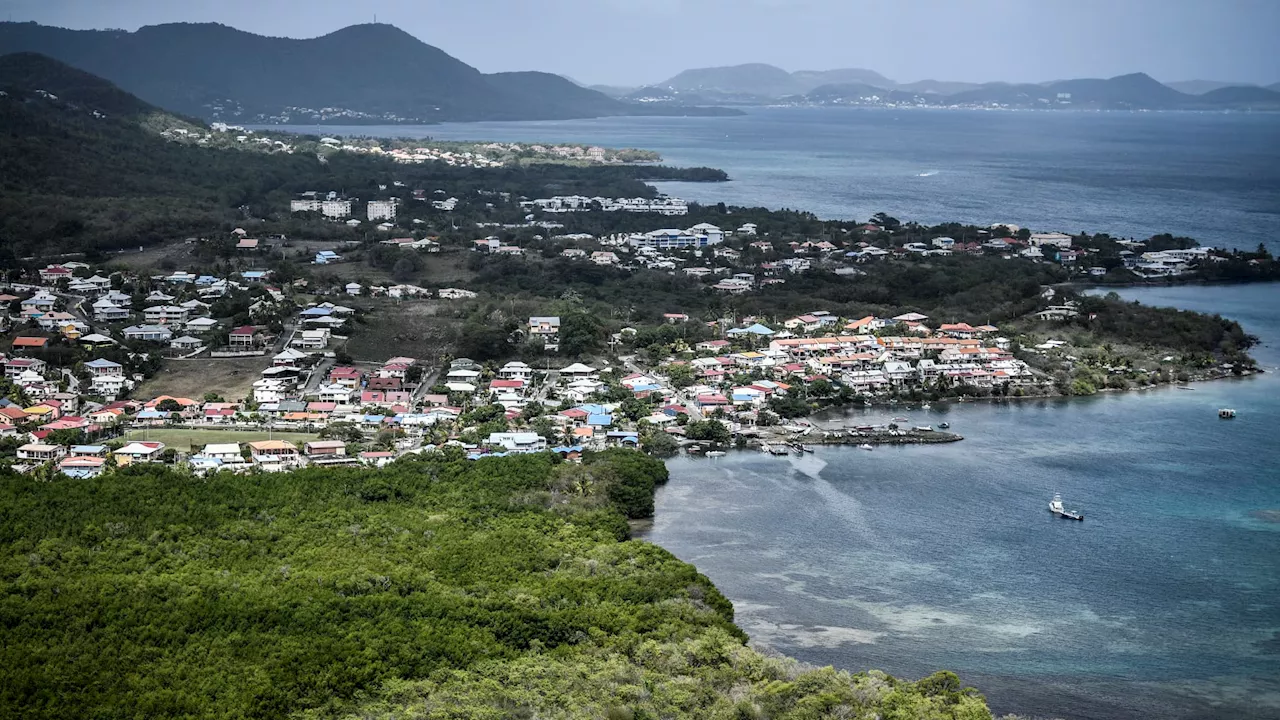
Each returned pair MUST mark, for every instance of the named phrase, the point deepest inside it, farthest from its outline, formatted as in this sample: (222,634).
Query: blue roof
(206,280)
(564,450)
(89,448)
(623,434)
(645,388)
(759,329)
(592,409)
(101,363)
(602,420)
(316,312)
(152,414)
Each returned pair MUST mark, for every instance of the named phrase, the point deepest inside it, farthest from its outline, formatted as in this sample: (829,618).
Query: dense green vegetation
(436,588)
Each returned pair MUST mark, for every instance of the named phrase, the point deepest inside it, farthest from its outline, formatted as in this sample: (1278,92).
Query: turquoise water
(1212,176)
(1165,602)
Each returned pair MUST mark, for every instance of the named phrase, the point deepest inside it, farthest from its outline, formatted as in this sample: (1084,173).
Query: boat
(778,449)
(1226,413)
(1184,387)
(806,448)
(925,406)
(716,453)
(944,426)
(865,446)
(1055,507)
(900,420)
(924,428)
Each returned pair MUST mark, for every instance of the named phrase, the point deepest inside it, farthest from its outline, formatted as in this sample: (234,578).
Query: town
(86,342)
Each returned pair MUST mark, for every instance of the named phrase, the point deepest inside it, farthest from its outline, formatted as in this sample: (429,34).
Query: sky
(635,42)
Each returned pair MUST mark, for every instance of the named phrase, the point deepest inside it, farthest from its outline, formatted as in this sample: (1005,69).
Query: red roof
(499,384)
(30,342)
(245,330)
(574,413)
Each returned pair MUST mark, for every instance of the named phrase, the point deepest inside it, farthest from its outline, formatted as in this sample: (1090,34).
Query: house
(517,442)
(455,294)
(578,371)
(247,244)
(335,393)
(226,452)
(289,358)
(1055,239)
(325,449)
(311,339)
(148,333)
(165,315)
(243,338)
(39,452)
(186,343)
(139,452)
(274,455)
(30,343)
(108,377)
(326,257)
(353,288)
(515,370)
(201,325)
(544,326)
(82,467)
(105,310)
(345,376)
(54,273)
(803,323)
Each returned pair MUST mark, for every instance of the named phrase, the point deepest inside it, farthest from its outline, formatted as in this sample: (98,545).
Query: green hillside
(436,588)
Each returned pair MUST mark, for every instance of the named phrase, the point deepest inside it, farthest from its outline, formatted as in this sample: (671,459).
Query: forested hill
(363,73)
(434,588)
(84,167)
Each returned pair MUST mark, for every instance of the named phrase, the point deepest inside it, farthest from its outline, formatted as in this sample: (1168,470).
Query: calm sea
(1164,603)
(1212,176)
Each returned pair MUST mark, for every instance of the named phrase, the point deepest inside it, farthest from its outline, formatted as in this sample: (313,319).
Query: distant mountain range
(361,74)
(765,84)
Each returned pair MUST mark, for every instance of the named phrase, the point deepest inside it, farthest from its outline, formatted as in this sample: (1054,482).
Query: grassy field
(181,439)
(232,378)
(415,328)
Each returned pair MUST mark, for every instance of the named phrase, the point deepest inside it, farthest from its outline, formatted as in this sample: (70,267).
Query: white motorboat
(864,446)
(1056,507)
(716,453)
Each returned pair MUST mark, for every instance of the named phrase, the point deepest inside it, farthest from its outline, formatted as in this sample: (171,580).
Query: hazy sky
(646,41)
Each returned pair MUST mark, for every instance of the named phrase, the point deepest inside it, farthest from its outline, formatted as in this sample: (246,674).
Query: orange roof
(184,402)
(30,342)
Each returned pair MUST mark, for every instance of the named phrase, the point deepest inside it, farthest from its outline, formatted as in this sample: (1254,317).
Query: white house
(517,442)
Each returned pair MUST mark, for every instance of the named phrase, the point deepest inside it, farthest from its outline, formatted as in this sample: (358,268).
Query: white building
(1055,239)
(382,210)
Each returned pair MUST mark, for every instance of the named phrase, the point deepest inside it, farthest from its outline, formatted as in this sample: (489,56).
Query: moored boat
(865,446)
(944,425)
(716,453)
(1226,413)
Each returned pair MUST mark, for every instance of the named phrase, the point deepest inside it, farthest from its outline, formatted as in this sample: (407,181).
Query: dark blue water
(1215,177)
(1164,603)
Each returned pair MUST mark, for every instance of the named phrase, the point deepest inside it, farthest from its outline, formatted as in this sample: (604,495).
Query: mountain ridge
(758,83)
(357,74)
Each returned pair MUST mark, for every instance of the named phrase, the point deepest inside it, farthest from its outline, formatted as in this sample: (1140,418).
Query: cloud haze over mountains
(632,43)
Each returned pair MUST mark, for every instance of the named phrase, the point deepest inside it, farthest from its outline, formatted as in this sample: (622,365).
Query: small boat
(1055,507)
(900,420)
(1184,387)
(1226,413)
(864,446)
(944,425)
(925,406)
(716,453)
(924,428)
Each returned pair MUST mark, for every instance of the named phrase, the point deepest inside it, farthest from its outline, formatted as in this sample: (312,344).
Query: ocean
(1163,603)
(1211,176)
